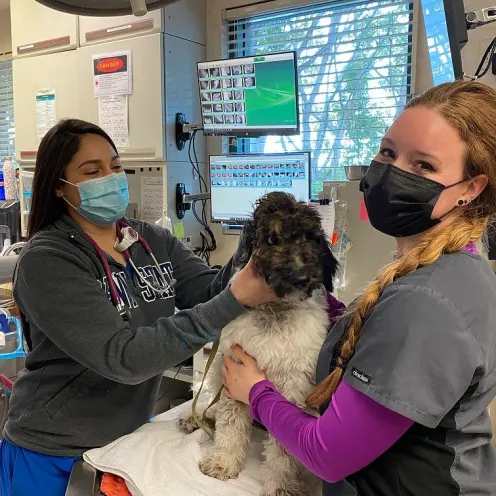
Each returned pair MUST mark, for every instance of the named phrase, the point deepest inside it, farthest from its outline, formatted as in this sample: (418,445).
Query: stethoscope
(126,237)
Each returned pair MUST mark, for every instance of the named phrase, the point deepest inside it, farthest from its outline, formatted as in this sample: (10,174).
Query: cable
(168,389)
(204,203)
(194,164)
(209,243)
(491,49)
(5,410)
(213,242)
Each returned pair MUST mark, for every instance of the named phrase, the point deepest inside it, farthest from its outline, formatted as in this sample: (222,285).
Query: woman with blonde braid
(406,377)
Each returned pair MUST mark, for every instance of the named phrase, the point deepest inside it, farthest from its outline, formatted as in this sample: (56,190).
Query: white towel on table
(159,459)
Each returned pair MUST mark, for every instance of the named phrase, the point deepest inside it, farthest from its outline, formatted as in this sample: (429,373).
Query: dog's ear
(329,263)
(245,247)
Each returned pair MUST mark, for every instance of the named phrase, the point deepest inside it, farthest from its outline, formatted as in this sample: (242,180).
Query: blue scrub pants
(26,473)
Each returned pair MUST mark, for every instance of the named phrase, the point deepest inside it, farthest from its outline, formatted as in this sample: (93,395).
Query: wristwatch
(129,237)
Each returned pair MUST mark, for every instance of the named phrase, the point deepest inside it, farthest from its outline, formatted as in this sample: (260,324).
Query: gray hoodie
(91,376)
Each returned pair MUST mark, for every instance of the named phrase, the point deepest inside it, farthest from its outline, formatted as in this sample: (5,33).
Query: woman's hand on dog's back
(250,289)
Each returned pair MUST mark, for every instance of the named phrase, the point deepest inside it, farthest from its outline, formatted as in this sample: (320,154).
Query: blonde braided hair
(456,103)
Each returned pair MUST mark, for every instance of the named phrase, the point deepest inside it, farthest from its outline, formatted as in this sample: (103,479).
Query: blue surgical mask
(104,200)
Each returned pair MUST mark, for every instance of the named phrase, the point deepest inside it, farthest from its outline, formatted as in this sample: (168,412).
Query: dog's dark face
(287,243)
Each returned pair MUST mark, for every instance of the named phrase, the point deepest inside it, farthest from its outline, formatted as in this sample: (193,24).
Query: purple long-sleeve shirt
(351,434)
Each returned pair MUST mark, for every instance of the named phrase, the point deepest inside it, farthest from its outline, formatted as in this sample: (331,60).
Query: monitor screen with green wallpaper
(250,96)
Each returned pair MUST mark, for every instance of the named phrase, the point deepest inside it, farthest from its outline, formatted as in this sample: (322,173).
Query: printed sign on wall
(112,74)
(46,116)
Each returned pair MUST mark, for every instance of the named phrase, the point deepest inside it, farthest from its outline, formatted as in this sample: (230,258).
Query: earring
(460,203)
(463,202)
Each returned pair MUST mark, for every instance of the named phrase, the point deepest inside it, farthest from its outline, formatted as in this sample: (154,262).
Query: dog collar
(279,306)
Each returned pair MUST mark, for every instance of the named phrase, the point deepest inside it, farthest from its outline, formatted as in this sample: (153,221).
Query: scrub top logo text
(148,272)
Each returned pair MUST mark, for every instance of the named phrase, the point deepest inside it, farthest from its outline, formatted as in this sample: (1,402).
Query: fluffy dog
(291,252)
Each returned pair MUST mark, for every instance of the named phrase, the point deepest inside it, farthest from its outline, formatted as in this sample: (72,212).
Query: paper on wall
(179,231)
(112,74)
(152,198)
(363,210)
(328,216)
(114,118)
(46,116)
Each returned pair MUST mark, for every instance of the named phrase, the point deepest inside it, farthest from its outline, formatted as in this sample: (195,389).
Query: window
(7,133)
(354,60)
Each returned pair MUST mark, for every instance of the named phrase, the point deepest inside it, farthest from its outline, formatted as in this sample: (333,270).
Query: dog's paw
(297,488)
(286,492)
(219,468)
(188,425)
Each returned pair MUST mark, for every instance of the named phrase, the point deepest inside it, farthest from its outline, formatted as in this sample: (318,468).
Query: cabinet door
(38,74)
(146,104)
(186,20)
(94,30)
(36,29)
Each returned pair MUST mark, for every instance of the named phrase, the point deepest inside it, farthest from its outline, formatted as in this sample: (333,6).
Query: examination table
(160,459)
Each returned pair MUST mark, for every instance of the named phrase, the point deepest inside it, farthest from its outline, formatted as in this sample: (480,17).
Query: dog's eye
(272,240)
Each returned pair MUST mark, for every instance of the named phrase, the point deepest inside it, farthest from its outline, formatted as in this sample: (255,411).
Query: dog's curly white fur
(286,344)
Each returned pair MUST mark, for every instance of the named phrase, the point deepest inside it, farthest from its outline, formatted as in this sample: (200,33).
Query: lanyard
(114,295)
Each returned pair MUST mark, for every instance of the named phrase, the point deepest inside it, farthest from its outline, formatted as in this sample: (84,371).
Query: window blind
(7,132)
(354,72)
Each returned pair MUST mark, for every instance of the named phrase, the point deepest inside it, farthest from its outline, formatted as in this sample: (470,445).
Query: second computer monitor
(238,181)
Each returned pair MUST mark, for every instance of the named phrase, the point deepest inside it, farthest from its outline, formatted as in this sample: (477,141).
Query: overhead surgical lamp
(106,8)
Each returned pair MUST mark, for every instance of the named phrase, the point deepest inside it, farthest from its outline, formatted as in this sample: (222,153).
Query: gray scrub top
(428,351)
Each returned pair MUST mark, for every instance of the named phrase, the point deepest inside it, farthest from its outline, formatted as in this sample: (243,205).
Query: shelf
(186,375)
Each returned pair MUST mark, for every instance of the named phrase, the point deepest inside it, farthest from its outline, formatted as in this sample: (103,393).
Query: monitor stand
(232,229)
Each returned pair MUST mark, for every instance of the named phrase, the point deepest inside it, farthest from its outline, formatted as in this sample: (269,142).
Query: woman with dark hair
(97,295)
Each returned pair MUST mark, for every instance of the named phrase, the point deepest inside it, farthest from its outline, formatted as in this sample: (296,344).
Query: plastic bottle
(9,177)
(2,186)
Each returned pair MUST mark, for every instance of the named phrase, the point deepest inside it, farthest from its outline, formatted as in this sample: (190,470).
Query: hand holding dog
(239,378)
(250,289)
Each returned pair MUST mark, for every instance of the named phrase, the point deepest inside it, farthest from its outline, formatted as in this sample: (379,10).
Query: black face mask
(400,203)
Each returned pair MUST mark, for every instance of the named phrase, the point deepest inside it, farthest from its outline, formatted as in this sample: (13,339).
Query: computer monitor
(446,31)
(250,96)
(237,181)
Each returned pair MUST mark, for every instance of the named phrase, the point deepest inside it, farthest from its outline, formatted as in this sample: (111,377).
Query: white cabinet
(50,72)
(187,20)
(70,75)
(37,30)
(93,30)
(145,106)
